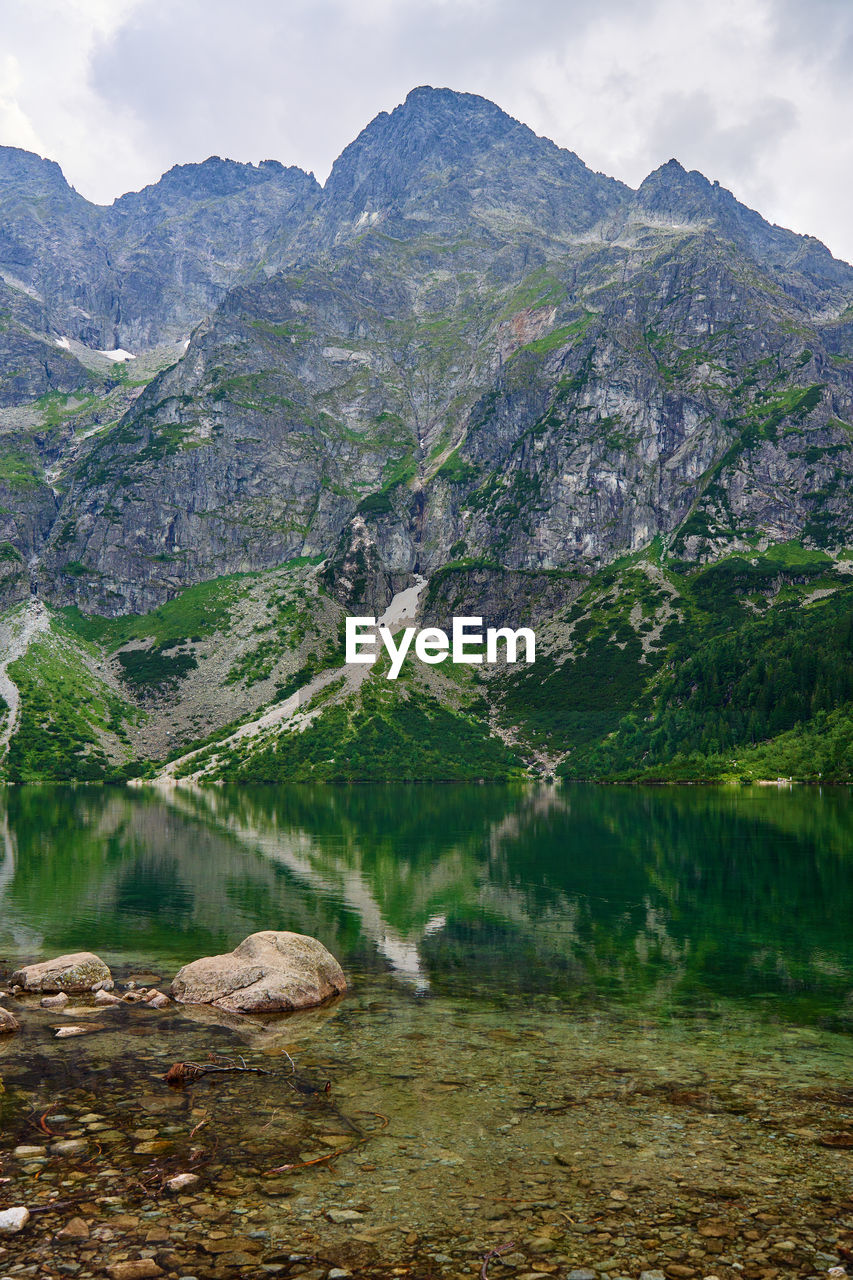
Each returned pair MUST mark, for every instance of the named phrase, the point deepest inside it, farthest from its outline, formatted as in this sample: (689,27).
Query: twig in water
(181,1072)
(379,1116)
(491,1255)
(305,1164)
(45,1128)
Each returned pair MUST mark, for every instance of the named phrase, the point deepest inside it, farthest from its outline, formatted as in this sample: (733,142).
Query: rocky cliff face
(467,348)
(146,269)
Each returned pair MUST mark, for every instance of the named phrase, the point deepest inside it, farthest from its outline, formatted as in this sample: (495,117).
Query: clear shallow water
(608,1027)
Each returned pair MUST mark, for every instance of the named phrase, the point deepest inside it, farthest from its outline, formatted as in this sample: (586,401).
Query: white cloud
(755,93)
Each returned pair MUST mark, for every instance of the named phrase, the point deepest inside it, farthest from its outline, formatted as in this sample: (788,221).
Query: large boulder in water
(269,972)
(81,971)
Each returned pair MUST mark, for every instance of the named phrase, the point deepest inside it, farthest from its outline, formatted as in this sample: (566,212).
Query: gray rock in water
(183,1181)
(269,972)
(55,1002)
(102,997)
(13,1220)
(8,1022)
(81,971)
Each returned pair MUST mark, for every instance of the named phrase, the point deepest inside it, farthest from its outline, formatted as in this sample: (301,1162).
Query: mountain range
(236,405)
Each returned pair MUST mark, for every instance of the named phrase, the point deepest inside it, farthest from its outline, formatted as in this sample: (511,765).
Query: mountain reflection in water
(668,898)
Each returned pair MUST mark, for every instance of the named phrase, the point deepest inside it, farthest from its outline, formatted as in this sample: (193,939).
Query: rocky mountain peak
(213,177)
(675,195)
(442,156)
(37,185)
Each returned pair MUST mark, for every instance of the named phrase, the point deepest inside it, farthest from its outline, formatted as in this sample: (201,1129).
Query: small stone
(652,1275)
(338,1273)
(183,1180)
(63,1033)
(76,1229)
(103,997)
(157,1001)
(27,1153)
(69,1146)
(54,1002)
(344,1215)
(581,1273)
(138,1269)
(13,1220)
(8,1022)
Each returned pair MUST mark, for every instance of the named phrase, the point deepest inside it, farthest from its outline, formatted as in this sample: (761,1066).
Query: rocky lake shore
(636,1156)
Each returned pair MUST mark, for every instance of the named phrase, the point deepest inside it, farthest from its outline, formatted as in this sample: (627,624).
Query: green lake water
(586,1027)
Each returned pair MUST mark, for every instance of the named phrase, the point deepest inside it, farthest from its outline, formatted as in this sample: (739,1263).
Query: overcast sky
(755,93)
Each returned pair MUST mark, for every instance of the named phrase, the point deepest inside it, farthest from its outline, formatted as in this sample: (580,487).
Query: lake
(587,1028)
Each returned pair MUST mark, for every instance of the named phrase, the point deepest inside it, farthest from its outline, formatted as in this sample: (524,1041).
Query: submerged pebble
(13,1220)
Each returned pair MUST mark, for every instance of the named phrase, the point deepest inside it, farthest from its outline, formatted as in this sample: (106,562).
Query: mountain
(147,268)
(466,357)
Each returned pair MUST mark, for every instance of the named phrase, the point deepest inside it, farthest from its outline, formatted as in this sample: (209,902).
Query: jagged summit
(680,196)
(445,155)
(18,165)
(214,176)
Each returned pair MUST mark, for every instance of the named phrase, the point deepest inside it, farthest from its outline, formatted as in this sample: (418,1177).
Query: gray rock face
(150,266)
(8,1022)
(268,972)
(444,159)
(79,971)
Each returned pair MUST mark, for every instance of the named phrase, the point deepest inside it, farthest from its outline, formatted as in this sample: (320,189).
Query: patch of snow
(64,343)
(403,607)
(118,356)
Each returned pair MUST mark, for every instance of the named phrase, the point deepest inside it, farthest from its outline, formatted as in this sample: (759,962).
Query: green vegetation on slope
(756,681)
(199,611)
(67,718)
(378,738)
